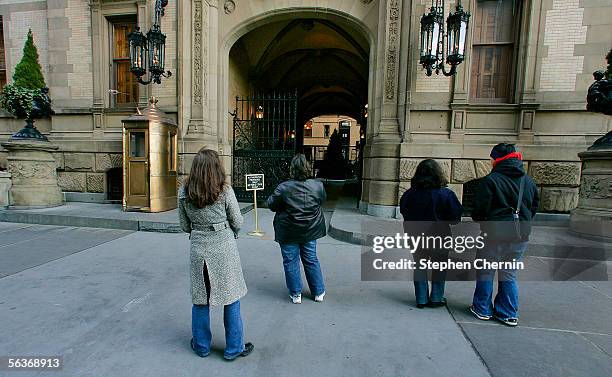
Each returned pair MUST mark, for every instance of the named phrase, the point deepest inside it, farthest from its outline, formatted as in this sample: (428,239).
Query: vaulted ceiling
(327,62)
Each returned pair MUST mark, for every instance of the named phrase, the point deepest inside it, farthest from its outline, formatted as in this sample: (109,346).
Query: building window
(326,131)
(124,84)
(172,152)
(2,56)
(495,30)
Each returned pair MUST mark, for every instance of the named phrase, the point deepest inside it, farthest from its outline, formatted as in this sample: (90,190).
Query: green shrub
(28,73)
(18,101)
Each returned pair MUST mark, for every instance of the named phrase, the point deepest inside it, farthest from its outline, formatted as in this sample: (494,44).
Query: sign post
(255,182)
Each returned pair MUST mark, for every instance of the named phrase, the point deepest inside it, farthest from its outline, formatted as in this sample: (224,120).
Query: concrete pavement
(122,308)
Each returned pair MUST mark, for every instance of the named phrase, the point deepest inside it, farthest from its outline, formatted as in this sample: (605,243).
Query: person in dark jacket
(298,223)
(429,207)
(507,225)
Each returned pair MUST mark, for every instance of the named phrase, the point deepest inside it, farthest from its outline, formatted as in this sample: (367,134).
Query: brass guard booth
(149,161)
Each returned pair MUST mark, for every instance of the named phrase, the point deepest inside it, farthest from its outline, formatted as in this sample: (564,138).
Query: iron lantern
(436,42)
(457,29)
(430,38)
(138,53)
(147,53)
(259,114)
(157,48)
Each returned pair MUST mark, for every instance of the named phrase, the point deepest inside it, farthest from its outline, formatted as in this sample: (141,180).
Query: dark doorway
(114,184)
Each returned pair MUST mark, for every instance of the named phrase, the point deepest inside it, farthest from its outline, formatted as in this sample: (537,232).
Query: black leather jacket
(299,217)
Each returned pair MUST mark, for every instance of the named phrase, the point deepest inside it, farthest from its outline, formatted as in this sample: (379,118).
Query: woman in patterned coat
(209,212)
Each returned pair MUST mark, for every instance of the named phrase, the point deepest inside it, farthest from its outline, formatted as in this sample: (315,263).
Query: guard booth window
(171,154)
(137,144)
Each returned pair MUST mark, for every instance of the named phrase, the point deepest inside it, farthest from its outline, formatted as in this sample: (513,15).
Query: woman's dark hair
(300,168)
(429,174)
(206,180)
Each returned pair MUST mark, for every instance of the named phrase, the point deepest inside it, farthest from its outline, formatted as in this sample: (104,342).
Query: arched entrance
(325,59)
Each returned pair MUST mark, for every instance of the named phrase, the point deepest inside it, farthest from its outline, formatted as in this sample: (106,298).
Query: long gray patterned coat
(215,249)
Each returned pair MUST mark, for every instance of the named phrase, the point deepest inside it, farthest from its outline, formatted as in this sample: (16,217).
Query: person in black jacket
(506,222)
(298,223)
(429,207)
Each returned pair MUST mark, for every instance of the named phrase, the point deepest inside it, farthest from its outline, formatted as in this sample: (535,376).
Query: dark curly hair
(429,174)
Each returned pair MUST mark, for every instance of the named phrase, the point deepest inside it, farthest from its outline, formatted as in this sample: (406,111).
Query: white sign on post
(255,182)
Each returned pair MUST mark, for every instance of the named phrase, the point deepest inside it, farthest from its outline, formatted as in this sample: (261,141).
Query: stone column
(5,187)
(34,176)
(593,216)
(381,163)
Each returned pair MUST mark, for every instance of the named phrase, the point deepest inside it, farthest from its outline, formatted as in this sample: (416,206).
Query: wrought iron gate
(264,140)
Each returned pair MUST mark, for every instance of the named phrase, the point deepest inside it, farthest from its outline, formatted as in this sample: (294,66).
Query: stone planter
(34,177)
(5,187)
(593,216)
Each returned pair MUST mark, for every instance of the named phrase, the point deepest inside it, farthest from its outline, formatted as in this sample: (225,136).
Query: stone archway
(329,58)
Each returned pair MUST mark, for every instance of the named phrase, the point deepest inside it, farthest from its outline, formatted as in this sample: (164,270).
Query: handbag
(516,211)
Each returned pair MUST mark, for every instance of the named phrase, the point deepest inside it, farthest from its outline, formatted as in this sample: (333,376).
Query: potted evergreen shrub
(27,96)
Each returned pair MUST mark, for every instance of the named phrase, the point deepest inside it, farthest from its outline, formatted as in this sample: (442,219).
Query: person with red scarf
(504,211)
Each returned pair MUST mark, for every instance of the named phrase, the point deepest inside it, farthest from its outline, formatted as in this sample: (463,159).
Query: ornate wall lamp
(147,53)
(259,113)
(438,47)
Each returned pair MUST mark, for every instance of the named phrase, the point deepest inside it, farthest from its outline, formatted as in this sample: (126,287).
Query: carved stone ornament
(197,52)
(229,6)
(392,48)
(596,187)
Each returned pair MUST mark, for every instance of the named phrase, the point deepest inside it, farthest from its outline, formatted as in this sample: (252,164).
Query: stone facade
(410,116)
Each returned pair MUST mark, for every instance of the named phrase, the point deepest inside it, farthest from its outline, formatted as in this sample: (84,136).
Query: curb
(16,216)
(572,252)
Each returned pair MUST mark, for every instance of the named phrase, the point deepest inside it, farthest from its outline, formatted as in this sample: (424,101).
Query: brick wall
(166,92)
(17,30)
(80,79)
(562,32)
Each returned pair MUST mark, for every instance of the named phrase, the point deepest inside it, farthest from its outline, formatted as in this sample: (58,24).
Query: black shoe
(421,306)
(248,348)
(481,317)
(437,304)
(201,354)
(512,322)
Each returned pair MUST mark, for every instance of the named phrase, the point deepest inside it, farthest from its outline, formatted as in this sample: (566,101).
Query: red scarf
(508,156)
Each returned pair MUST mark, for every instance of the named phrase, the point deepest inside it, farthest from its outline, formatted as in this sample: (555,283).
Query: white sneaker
(319,298)
(296,299)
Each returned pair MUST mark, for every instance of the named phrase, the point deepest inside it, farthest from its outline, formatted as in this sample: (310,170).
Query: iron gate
(264,140)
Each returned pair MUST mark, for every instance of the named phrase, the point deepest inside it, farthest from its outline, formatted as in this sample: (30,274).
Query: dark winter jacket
(299,217)
(496,197)
(435,209)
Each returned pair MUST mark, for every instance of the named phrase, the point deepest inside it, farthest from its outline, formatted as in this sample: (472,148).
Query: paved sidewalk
(122,308)
(94,215)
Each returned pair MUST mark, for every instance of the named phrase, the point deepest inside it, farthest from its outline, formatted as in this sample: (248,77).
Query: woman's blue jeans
(506,301)
(421,280)
(307,252)
(200,329)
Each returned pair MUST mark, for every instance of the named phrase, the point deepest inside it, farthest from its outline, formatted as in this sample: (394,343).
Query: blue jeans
(307,252)
(507,299)
(200,329)
(421,282)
